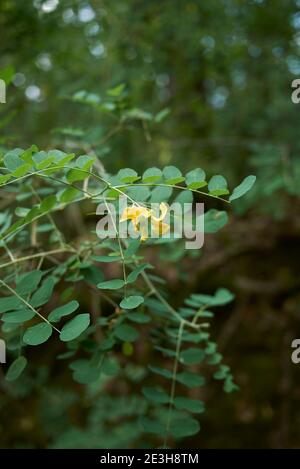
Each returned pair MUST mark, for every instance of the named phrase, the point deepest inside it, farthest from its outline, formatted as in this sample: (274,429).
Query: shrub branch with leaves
(40,268)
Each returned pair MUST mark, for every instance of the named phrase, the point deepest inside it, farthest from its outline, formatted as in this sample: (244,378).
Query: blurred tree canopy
(223,68)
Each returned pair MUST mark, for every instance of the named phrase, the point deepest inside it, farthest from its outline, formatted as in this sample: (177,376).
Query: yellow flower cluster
(138,215)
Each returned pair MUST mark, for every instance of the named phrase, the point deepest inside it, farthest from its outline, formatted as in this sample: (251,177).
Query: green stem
(35,256)
(120,247)
(176,187)
(49,216)
(173,385)
(28,305)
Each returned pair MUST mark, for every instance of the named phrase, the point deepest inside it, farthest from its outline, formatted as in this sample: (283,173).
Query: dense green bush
(42,272)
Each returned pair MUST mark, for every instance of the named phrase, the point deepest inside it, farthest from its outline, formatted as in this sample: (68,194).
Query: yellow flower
(138,215)
(159,226)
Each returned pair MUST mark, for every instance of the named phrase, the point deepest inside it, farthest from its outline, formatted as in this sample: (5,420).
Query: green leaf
(140,318)
(107,344)
(161,115)
(229,385)
(222,372)
(16,369)
(221,297)
(70,131)
(28,282)
(27,154)
(191,380)
(136,272)
(172,175)
(85,162)
(31,215)
(7,74)
(214,359)
(152,426)
(152,175)
(112,193)
(166,351)
(61,158)
(92,274)
(192,356)
(131,302)
(43,294)
(75,327)
(22,170)
(18,317)
(156,306)
(48,203)
(195,179)
(243,188)
(184,427)
(184,197)
(110,366)
(69,194)
(12,159)
(42,160)
(9,328)
(210,348)
(214,220)
(126,333)
(156,395)
(111,284)
(10,303)
(85,372)
(116,91)
(218,185)
(161,371)
(161,194)
(38,334)
(133,245)
(62,311)
(87,98)
(107,259)
(138,114)
(192,405)
(21,211)
(4,178)
(76,175)
(128,175)
(138,193)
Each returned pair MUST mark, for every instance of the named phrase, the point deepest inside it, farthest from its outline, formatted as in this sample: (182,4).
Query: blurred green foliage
(224,68)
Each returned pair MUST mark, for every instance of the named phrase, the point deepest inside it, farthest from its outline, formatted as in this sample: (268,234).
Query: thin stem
(176,187)
(9,253)
(110,134)
(34,256)
(69,184)
(198,313)
(153,290)
(170,308)
(58,207)
(49,216)
(96,176)
(120,247)
(28,305)
(173,385)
